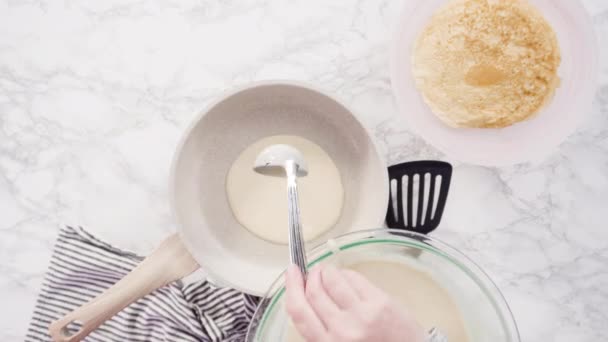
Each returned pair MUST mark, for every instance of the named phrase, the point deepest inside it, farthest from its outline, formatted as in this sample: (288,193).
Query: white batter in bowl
(441,287)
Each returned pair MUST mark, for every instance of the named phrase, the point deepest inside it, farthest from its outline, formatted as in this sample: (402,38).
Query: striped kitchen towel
(82,266)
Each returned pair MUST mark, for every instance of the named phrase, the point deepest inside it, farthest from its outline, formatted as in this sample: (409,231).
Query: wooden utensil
(168,263)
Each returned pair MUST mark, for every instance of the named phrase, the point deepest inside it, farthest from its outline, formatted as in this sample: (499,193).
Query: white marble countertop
(94,95)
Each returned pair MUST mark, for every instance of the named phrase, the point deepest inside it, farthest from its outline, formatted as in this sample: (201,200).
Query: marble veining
(95,94)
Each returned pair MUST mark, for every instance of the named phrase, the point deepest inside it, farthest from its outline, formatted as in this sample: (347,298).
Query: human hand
(342,306)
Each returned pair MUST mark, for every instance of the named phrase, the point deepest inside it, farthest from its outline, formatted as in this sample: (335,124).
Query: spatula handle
(169,262)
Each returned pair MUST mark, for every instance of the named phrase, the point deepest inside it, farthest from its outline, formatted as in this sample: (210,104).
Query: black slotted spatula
(418,193)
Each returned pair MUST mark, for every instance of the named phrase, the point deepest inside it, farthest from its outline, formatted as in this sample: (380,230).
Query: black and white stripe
(83,266)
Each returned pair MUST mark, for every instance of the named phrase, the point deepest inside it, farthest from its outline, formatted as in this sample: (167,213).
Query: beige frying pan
(208,234)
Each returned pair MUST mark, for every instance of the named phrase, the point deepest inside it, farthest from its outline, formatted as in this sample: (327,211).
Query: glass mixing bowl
(485,313)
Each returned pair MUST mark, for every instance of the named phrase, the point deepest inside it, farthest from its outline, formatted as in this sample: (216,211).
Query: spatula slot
(406,197)
(393,204)
(437,190)
(415,200)
(425,198)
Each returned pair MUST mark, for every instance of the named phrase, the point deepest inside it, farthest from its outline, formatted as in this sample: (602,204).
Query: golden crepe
(484,63)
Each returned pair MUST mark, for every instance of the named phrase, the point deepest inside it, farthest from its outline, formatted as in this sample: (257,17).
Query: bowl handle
(169,262)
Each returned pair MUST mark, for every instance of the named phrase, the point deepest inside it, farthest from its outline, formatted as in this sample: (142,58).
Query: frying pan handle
(169,262)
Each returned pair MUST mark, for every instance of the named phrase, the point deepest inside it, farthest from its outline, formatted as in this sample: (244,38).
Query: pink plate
(529,140)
